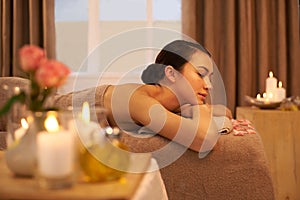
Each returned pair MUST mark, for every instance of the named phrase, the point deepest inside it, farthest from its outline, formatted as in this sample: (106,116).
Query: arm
(221,115)
(220,110)
(190,132)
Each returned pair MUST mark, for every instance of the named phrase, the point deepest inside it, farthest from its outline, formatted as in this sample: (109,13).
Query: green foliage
(21,98)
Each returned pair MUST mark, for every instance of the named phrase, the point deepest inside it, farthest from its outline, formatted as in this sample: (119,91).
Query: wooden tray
(12,187)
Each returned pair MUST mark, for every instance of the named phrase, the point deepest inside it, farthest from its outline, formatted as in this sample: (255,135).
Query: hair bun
(153,73)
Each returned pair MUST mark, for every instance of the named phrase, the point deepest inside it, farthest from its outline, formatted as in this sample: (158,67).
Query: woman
(172,102)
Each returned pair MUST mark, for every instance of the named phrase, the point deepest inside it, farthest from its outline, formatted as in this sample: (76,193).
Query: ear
(170,73)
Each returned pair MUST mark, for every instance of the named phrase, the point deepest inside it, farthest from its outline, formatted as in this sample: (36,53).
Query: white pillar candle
(271,85)
(55,154)
(280,93)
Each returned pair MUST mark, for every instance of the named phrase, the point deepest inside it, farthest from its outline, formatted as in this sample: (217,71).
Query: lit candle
(51,124)
(264,95)
(265,98)
(55,154)
(271,85)
(280,93)
(22,130)
(258,97)
(55,150)
(18,134)
(85,113)
(88,130)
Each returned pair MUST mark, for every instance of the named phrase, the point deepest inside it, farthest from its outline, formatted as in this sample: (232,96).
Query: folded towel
(224,124)
(242,127)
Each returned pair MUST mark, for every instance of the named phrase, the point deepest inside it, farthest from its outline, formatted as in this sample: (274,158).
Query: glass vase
(20,154)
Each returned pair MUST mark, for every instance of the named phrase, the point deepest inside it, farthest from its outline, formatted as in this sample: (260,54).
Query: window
(102,38)
(81,25)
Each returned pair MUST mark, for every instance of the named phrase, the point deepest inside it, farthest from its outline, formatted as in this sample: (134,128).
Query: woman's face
(197,72)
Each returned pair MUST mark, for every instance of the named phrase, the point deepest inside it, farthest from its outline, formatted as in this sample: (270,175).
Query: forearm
(210,127)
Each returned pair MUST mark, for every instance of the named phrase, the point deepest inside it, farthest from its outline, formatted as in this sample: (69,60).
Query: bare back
(131,106)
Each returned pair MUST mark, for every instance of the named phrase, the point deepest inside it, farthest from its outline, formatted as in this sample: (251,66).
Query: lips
(202,95)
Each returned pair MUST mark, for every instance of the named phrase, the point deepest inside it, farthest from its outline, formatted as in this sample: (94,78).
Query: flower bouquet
(45,75)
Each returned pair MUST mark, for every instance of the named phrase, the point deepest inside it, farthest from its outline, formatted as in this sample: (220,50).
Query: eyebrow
(202,67)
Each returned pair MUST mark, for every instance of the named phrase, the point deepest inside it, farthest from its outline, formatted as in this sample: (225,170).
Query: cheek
(197,82)
(186,88)
(207,82)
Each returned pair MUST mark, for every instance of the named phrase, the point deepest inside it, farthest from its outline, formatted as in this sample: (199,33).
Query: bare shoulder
(130,101)
(130,89)
(128,86)
(122,90)
(130,95)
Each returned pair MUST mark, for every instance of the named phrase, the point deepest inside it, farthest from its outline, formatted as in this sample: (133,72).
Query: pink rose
(30,57)
(51,73)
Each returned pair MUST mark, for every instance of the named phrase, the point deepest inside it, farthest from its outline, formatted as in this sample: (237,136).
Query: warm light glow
(270,95)
(264,95)
(85,112)
(258,96)
(24,123)
(17,90)
(280,84)
(271,74)
(51,124)
(109,130)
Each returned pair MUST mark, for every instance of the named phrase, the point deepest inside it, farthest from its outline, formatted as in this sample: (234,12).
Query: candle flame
(51,124)
(280,84)
(271,74)
(86,112)
(264,95)
(24,123)
(258,96)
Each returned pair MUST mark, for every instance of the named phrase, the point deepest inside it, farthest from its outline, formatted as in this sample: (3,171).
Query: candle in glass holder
(55,156)
(280,92)
(271,85)
(87,130)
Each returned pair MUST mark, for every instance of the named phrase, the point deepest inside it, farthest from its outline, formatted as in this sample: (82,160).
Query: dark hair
(176,54)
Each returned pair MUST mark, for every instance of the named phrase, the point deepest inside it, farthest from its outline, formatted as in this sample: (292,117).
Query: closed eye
(202,74)
(202,71)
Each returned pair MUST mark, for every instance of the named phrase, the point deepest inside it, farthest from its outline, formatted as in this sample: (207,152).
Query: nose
(208,84)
